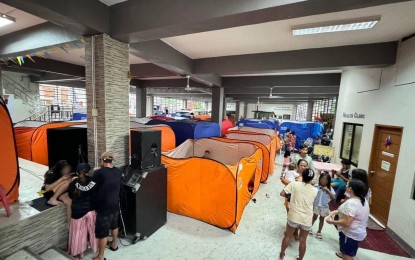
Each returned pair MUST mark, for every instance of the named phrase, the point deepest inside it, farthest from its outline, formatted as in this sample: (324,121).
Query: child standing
(287,160)
(321,203)
(82,223)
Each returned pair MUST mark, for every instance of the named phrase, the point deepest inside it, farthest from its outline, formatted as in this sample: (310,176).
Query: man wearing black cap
(108,180)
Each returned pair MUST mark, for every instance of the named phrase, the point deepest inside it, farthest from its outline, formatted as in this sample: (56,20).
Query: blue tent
(257,123)
(189,129)
(303,130)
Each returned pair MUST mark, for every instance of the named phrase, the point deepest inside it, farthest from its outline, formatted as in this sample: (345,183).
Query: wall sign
(385,165)
(391,155)
(355,115)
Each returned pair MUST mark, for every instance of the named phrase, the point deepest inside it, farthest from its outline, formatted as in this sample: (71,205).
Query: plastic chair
(6,204)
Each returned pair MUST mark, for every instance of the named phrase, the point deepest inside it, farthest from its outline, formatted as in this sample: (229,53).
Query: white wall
(387,103)
(18,109)
(278,109)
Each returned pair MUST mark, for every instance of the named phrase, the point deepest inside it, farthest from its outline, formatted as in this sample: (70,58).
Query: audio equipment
(145,148)
(145,201)
(67,143)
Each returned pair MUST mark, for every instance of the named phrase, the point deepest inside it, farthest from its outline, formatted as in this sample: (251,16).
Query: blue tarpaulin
(303,130)
(257,123)
(189,129)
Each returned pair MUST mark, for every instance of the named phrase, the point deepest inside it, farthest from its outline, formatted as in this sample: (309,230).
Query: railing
(23,93)
(47,114)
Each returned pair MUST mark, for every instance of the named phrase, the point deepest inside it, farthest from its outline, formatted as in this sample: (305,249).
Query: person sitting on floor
(56,184)
(82,223)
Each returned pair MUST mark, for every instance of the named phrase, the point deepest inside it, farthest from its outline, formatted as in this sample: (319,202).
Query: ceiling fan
(271,95)
(188,88)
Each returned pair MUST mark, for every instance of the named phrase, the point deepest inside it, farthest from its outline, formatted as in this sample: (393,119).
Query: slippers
(110,248)
(339,255)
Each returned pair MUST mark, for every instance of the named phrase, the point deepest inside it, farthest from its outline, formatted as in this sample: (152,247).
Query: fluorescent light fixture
(336,26)
(5,20)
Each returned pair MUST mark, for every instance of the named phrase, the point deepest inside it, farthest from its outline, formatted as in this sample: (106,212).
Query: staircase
(52,253)
(37,111)
(22,92)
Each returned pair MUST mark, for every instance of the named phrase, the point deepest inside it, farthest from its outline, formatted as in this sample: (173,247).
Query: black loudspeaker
(67,143)
(145,148)
(145,207)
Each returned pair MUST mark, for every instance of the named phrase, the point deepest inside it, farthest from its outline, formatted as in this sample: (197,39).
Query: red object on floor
(380,241)
(3,198)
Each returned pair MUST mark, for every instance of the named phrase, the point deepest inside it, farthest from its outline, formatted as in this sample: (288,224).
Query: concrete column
(141,102)
(207,106)
(309,111)
(150,106)
(1,83)
(218,98)
(242,106)
(108,117)
(237,108)
(294,116)
(185,103)
(246,110)
(224,107)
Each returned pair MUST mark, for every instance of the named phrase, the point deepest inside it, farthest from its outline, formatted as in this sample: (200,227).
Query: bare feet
(54,202)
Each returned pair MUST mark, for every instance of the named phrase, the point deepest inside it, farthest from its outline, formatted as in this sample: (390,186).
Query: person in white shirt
(353,216)
(291,175)
(303,154)
(321,203)
(302,196)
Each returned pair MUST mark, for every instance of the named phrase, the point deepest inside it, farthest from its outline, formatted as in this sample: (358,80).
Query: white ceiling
(397,21)
(23,20)
(112,2)
(77,56)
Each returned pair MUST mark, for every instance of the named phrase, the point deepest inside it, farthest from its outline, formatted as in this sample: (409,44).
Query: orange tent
(10,176)
(265,154)
(209,180)
(265,139)
(264,131)
(168,138)
(32,143)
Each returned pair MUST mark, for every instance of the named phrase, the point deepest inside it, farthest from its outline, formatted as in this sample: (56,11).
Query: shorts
(348,246)
(321,211)
(105,223)
(296,225)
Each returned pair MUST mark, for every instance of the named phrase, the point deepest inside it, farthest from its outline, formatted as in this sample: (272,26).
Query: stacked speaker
(145,186)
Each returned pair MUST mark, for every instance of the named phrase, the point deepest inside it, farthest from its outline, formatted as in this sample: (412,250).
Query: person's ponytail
(362,199)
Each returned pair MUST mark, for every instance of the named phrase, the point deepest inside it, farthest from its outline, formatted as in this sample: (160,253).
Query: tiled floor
(31,180)
(258,236)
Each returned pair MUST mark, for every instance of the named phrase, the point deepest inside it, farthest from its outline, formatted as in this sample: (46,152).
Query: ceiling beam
(170,83)
(33,39)
(282,90)
(52,66)
(135,21)
(73,84)
(289,95)
(365,55)
(48,77)
(163,55)
(149,70)
(329,79)
(85,17)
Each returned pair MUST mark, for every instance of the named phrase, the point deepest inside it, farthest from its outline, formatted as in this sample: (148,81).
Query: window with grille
(172,104)
(325,110)
(62,96)
(301,113)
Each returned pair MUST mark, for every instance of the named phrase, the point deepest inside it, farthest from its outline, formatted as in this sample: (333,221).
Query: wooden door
(382,169)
